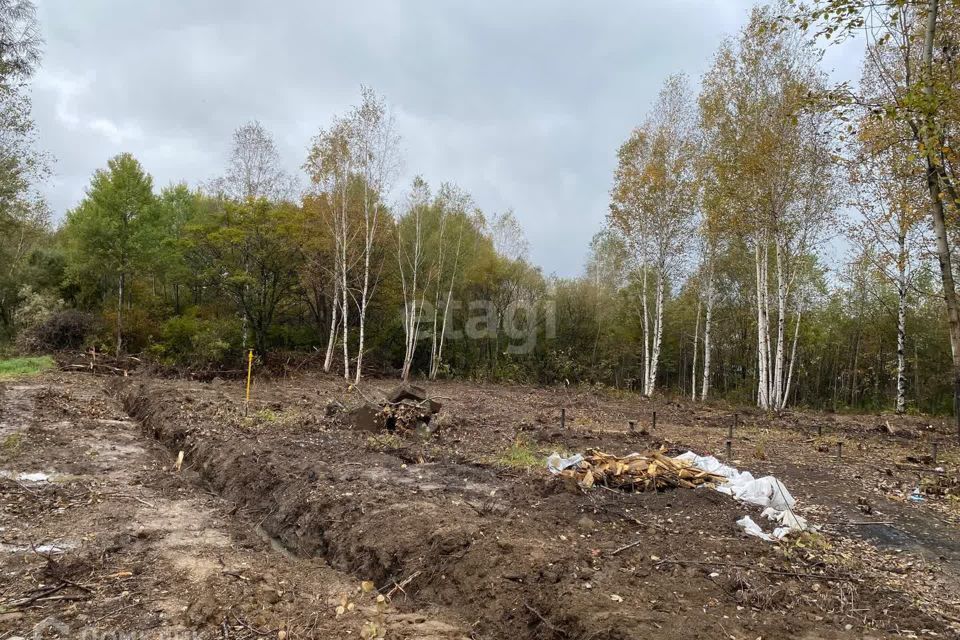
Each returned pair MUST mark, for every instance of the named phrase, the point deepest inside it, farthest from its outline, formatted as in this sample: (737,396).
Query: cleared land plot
(277,517)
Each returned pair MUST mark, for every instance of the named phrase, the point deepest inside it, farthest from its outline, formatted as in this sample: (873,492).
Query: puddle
(885,535)
(51,548)
(37,477)
(34,477)
(40,478)
(924,537)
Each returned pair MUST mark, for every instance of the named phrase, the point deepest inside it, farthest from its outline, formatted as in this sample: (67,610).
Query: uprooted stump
(406,408)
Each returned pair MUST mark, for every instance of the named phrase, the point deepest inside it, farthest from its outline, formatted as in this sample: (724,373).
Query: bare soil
(280,512)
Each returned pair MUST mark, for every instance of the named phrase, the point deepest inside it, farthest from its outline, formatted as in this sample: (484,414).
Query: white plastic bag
(751,528)
(767,492)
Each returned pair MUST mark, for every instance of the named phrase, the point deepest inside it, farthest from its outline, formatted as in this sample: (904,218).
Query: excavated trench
(437,553)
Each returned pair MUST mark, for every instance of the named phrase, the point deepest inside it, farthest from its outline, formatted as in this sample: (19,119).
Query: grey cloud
(521,103)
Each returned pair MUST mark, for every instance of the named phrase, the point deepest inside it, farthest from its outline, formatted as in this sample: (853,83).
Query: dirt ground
(286,523)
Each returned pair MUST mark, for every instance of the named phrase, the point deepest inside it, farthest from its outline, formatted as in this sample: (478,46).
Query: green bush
(189,340)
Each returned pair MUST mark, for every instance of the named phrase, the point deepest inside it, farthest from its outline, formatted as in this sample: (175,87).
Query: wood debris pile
(406,415)
(650,471)
(407,408)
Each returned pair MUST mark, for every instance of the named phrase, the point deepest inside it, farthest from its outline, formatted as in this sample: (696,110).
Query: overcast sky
(523,104)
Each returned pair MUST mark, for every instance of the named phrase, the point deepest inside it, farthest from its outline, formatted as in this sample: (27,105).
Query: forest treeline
(771,238)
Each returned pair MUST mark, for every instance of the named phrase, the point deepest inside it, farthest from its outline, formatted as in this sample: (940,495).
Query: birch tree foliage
(773,165)
(354,162)
(920,89)
(653,205)
(254,169)
(890,230)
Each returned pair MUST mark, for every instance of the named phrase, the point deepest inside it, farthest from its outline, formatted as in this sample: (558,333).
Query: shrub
(191,341)
(57,331)
(34,308)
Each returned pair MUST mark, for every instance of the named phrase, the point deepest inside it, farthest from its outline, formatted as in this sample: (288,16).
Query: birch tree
(706,298)
(353,163)
(888,195)
(711,297)
(653,206)
(377,162)
(454,205)
(319,274)
(920,90)
(770,154)
(415,272)
(330,165)
(255,169)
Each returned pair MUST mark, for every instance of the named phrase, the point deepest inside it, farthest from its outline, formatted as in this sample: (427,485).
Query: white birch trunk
(777,399)
(446,306)
(762,359)
(411,312)
(793,358)
(443,330)
(901,403)
(693,371)
(344,292)
(657,334)
(370,227)
(334,329)
(646,330)
(767,349)
(705,387)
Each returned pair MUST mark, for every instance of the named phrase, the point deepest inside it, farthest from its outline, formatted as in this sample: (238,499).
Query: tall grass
(19,367)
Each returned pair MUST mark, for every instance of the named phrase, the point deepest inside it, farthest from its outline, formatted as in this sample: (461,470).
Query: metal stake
(563,418)
(633,425)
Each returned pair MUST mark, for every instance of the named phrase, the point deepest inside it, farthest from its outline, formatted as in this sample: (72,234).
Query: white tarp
(767,492)
(557,463)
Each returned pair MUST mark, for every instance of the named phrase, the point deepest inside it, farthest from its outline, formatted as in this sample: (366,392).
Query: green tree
(250,252)
(23,213)
(111,235)
(177,208)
